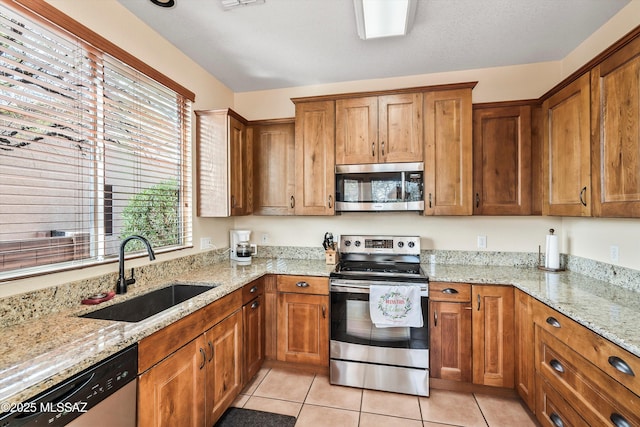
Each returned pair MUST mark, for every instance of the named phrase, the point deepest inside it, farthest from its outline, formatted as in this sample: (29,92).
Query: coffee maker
(241,249)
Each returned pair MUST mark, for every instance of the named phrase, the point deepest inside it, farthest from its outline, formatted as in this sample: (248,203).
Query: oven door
(354,336)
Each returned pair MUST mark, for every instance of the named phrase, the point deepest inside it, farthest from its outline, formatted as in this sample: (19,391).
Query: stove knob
(358,243)
(401,244)
(347,242)
(411,244)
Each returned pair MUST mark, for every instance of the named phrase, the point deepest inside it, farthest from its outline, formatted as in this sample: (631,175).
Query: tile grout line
(480,408)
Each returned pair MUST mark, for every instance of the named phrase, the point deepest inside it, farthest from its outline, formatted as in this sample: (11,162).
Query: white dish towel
(395,306)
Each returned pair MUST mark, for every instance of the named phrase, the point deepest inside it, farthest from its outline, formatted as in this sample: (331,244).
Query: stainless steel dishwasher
(102,395)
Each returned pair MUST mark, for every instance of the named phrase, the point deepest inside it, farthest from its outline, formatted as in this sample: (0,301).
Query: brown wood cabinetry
(303,320)
(448,175)
(315,158)
(379,129)
(493,335)
(502,159)
(524,349)
(253,314)
(615,127)
(450,331)
(191,371)
(224,167)
(274,168)
(566,151)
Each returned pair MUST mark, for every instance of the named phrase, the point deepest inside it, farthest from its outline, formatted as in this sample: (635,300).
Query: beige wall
(110,19)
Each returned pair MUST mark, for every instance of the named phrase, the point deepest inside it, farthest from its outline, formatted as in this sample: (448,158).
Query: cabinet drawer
(551,409)
(303,284)
(618,363)
(596,396)
(450,292)
(252,290)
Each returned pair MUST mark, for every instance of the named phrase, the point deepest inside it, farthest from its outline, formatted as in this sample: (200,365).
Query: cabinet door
(524,349)
(400,128)
(303,328)
(240,167)
(172,392)
(450,332)
(254,339)
(493,330)
(502,160)
(566,151)
(315,158)
(224,367)
(274,169)
(448,153)
(357,130)
(615,109)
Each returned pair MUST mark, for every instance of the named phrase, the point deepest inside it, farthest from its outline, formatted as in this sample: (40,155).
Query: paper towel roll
(552,256)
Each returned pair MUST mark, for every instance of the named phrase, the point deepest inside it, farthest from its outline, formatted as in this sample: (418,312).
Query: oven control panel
(395,245)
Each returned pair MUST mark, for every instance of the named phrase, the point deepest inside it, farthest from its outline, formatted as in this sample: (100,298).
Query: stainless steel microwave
(380,187)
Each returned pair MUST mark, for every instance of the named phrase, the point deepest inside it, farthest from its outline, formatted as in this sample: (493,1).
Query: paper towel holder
(541,265)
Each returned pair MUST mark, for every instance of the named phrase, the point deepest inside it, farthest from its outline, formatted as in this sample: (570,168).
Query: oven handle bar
(358,288)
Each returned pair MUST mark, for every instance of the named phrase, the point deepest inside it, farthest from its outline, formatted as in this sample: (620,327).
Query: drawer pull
(619,421)
(302,284)
(435,318)
(556,420)
(621,365)
(204,357)
(253,289)
(255,305)
(210,348)
(553,322)
(557,366)
(449,291)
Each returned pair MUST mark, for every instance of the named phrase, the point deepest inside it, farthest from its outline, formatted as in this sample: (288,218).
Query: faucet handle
(131,280)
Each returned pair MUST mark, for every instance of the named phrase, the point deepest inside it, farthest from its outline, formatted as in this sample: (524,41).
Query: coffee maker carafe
(241,249)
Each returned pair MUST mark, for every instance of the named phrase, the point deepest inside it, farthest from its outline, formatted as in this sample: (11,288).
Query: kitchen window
(94,147)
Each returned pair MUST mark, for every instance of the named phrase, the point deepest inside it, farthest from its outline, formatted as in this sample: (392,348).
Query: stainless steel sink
(144,306)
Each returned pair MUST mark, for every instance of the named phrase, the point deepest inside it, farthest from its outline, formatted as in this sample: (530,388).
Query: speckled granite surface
(54,345)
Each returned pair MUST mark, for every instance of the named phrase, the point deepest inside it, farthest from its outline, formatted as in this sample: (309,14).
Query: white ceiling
(287,43)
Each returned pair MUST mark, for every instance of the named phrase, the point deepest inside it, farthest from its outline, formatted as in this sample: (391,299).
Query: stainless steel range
(374,273)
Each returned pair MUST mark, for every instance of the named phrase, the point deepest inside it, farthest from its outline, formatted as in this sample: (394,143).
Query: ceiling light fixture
(384,18)
(164,3)
(232,4)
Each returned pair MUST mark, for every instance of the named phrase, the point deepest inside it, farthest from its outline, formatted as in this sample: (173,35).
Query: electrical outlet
(482,242)
(614,253)
(265,238)
(205,243)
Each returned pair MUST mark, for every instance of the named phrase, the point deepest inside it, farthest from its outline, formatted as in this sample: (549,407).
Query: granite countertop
(41,353)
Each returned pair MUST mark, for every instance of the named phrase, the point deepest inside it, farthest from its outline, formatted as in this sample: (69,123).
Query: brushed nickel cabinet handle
(619,421)
(255,305)
(477,200)
(330,201)
(302,284)
(253,289)
(292,202)
(373,149)
(478,302)
(435,318)
(556,420)
(382,148)
(204,357)
(429,199)
(582,194)
(553,322)
(449,291)
(211,349)
(324,311)
(621,365)
(557,366)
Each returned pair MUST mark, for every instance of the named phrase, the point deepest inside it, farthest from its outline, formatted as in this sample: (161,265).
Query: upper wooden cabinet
(224,164)
(274,168)
(379,129)
(315,158)
(566,151)
(615,112)
(502,160)
(448,152)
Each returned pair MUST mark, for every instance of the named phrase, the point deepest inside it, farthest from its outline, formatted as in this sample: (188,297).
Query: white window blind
(91,151)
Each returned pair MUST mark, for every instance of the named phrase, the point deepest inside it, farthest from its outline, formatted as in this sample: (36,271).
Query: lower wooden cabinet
(493,335)
(303,320)
(254,336)
(172,393)
(450,331)
(524,349)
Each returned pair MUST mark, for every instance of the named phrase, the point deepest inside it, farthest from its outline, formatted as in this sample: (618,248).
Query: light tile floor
(317,403)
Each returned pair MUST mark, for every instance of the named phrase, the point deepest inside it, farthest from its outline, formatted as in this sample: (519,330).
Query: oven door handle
(364,289)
